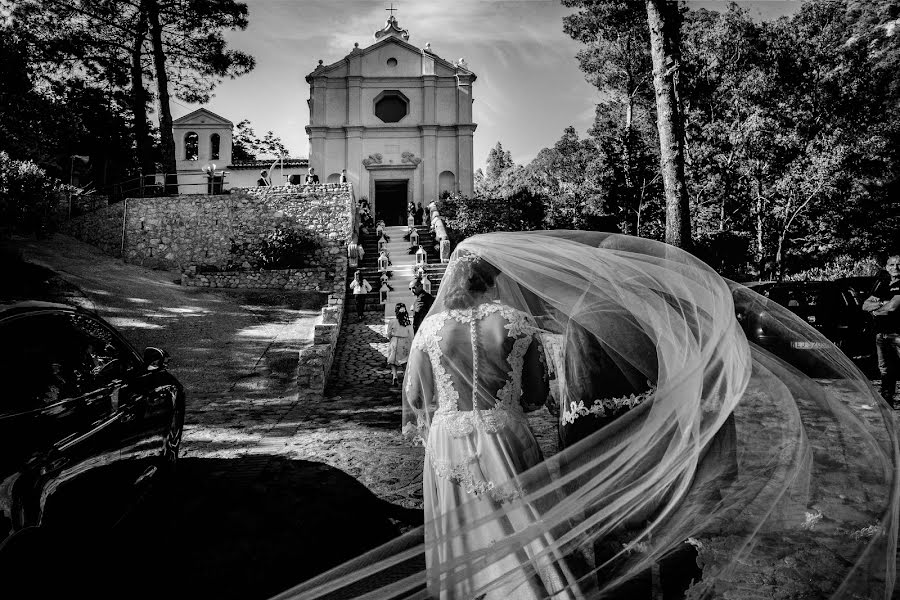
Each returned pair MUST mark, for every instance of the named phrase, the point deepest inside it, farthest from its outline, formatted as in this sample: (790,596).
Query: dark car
(833,308)
(86,425)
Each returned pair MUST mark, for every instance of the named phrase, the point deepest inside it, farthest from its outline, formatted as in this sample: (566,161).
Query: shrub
(842,266)
(284,249)
(29,199)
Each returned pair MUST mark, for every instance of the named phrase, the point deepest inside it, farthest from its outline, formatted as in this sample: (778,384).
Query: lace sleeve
(418,388)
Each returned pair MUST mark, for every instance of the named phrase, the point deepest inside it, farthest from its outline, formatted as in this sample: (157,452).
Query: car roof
(8,309)
(792,284)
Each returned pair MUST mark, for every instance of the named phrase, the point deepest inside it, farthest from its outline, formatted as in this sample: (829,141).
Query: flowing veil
(782,482)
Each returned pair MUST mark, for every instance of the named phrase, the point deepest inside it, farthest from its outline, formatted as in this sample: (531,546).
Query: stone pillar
(317,101)
(428,107)
(354,100)
(316,146)
(466,159)
(429,163)
(464,98)
(356,173)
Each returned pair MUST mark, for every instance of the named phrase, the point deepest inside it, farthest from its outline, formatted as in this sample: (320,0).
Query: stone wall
(308,279)
(221,232)
(101,228)
(315,361)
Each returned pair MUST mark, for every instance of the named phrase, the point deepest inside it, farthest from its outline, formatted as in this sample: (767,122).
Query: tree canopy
(792,136)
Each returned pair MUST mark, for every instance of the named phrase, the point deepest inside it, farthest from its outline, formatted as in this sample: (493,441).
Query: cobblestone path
(357,426)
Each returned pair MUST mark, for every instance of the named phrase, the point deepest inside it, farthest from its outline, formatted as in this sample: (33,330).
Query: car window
(46,358)
(102,356)
(38,363)
(805,298)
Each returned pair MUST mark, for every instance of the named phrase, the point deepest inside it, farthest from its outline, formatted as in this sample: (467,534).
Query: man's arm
(871,303)
(888,307)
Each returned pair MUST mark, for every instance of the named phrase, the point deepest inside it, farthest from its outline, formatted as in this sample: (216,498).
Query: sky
(528,86)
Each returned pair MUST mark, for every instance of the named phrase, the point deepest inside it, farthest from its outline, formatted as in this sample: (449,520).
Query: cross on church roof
(391,9)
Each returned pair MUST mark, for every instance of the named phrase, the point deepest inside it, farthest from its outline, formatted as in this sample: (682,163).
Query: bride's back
(479,348)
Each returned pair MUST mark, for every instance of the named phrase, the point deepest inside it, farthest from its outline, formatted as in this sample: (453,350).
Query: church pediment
(202,116)
(401,51)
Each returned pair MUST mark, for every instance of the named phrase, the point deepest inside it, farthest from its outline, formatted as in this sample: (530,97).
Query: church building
(398,118)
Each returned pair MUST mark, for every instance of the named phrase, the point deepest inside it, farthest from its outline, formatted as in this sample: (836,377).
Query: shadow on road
(244,528)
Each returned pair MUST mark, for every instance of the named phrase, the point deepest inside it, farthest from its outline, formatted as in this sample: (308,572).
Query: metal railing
(165,184)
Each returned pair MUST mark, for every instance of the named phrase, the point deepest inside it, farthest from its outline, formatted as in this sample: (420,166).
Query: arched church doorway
(391,200)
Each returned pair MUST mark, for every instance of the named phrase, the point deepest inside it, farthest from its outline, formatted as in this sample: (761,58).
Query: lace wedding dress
(473,374)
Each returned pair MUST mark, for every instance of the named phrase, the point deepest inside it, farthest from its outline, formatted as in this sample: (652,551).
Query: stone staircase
(401,269)
(360,369)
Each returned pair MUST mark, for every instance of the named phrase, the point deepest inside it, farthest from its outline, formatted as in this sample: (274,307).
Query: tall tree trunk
(779,256)
(760,233)
(139,96)
(627,156)
(166,136)
(664,18)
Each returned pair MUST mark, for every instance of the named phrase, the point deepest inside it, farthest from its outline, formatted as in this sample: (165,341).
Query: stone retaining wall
(307,280)
(101,228)
(222,231)
(315,361)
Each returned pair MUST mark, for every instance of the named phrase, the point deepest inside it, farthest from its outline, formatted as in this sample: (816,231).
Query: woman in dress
(784,486)
(400,334)
(475,370)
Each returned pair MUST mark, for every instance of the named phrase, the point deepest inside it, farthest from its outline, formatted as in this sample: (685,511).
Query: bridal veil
(784,482)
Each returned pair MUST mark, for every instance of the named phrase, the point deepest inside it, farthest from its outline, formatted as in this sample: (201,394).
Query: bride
(475,368)
(783,486)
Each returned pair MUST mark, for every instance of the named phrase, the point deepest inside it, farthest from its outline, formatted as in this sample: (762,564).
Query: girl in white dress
(400,334)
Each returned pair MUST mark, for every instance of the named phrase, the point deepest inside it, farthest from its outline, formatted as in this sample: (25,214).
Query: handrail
(135,187)
(440,232)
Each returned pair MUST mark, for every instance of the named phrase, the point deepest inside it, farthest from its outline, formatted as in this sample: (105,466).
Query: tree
(616,60)
(196,51)
(117,45)
(664,20)
(792,134)
(498,162)
(565,177)
(246,146)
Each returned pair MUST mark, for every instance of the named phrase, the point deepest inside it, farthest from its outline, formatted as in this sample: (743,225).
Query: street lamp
(210,169)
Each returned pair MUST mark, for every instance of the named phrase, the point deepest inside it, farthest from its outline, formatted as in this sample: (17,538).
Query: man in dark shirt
(422,304)
(263,180)
(884,304)
(311,177)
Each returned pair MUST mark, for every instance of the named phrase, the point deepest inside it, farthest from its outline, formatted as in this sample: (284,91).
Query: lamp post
(210,170)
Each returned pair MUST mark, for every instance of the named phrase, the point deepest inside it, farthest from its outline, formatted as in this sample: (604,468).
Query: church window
(392,62)
(214,146)
(191,146)
(391,106)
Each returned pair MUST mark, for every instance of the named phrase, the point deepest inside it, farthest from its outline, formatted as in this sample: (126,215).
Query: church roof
(265,164)
(198,115)
(391,33)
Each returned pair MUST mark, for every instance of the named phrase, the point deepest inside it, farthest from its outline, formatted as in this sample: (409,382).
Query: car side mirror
(155,358)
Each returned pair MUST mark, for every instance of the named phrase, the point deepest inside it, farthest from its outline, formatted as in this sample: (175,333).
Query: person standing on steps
(420,214)
(422,304)
(360,287)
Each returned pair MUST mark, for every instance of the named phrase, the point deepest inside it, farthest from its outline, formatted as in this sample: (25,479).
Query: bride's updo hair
(468,275)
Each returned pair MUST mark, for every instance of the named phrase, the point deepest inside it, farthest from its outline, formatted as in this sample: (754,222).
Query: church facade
(398,118)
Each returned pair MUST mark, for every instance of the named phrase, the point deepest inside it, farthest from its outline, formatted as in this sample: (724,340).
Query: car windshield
(803,298)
